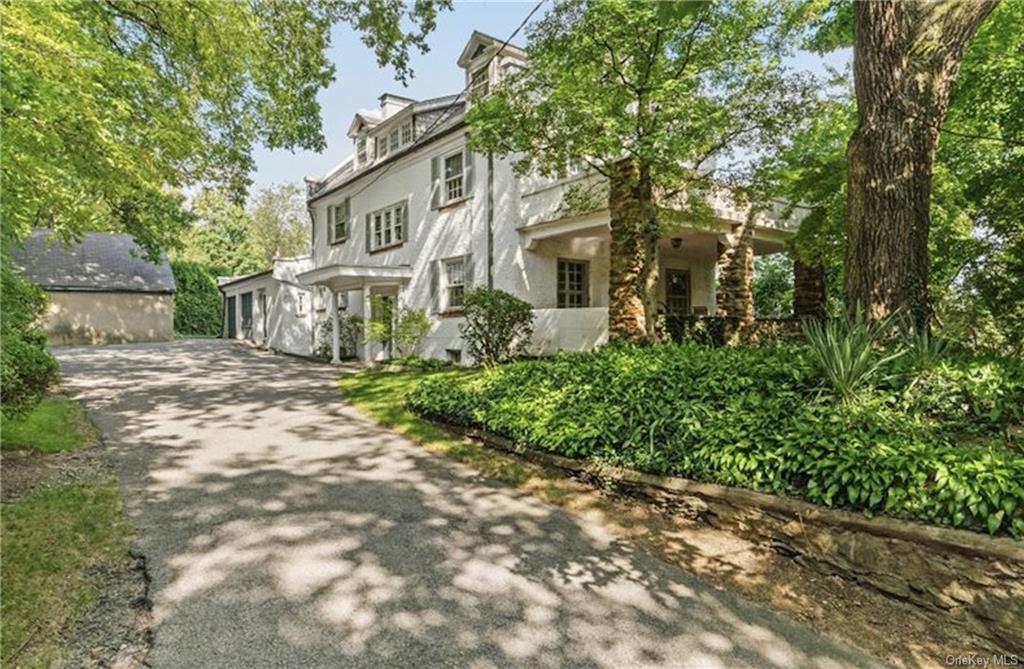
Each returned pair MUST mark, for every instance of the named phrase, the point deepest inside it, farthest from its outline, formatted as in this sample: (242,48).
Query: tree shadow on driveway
(282,529)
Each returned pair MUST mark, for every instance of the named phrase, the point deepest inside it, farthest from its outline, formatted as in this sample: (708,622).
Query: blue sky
(359,81)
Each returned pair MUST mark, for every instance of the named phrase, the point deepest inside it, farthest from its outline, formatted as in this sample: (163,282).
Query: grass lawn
(379,395)
(54,540)
(56,424)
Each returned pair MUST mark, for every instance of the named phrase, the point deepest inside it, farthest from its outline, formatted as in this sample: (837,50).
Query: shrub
(742,417)
(350,330)
(498,325)
(26,368)
(197,299)
(848,351)
(401,330)
(975,394)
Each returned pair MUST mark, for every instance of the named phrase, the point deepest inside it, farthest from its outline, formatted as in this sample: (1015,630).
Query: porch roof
(769,235)
(348,277)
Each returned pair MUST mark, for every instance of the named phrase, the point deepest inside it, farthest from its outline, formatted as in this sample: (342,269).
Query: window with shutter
(388,226)
(453,177)
(455,282)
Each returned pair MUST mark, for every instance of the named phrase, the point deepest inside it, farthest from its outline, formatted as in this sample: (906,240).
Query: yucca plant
(849,351)
(923,348)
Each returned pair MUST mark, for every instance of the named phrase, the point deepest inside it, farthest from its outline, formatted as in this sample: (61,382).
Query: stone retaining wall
(974,581)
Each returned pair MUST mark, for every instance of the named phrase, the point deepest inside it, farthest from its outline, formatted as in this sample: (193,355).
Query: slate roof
(102,261)
(453,116)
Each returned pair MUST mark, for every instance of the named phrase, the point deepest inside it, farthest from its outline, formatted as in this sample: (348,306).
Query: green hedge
(26,368)
(756,418)
(197,300)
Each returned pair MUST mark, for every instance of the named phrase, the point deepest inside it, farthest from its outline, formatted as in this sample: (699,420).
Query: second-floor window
(361,150)
(407,133)
(453,177)
(338,221)
(393,140)
(388,226)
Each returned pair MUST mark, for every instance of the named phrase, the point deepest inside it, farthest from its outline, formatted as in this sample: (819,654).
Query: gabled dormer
(359,131)
(483,68)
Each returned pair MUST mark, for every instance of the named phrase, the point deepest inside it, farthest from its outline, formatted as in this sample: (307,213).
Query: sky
(359,81)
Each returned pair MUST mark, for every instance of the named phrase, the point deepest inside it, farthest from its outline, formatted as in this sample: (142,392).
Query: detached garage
(102,290)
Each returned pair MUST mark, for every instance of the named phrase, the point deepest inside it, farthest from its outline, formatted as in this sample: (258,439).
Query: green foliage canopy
(110,109)
(669,86)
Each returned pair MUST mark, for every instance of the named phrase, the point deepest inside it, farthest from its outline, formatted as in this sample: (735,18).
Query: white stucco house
(416,216)
(272,308)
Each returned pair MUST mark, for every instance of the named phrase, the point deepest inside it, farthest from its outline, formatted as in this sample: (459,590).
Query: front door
(677,292)
(247,315)
(232,318)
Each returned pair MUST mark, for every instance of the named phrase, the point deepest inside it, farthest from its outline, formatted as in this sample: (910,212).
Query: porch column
(367,317)
(335,330)
(808,290)
(735,297)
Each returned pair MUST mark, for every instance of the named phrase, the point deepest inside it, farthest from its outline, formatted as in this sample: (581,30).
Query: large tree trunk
(906,56)
(633,271)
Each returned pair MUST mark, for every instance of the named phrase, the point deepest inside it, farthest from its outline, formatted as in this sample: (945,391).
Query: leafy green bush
(498,325)
(26,368)
(197,300)
(740,416)
(975,394)
(350,332)
(422,364)
(400,330)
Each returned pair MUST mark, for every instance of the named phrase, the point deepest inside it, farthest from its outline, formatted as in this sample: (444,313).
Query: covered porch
(702,270)
(365,281)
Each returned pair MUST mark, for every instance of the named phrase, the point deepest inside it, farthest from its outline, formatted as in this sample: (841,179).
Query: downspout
(490,220)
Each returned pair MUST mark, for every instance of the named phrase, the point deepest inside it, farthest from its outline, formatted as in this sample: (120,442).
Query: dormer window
(393,140)
(479,83)
(407,133)
(382,143)
(361,149)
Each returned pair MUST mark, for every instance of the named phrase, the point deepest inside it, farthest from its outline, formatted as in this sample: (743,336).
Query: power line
(458,97)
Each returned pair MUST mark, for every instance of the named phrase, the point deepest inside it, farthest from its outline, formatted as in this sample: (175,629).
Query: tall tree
(906,57)
(646,95)
(280,222)
(110,108)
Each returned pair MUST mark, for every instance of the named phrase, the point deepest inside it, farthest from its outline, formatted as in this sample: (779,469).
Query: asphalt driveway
(282,529)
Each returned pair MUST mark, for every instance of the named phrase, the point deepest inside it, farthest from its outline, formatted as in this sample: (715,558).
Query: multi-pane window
(573,284)
(677,291)
(455,282)
(382,146)
(388,227)
(407,134)
(479,83)
(453,176)
(337,220)
(393,140)
(361,149)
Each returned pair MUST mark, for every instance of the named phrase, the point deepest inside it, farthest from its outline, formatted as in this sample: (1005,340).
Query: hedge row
(758,418)
(197,300)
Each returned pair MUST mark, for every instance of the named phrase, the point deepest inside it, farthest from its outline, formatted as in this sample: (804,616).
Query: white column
(335,330)
(367,315)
